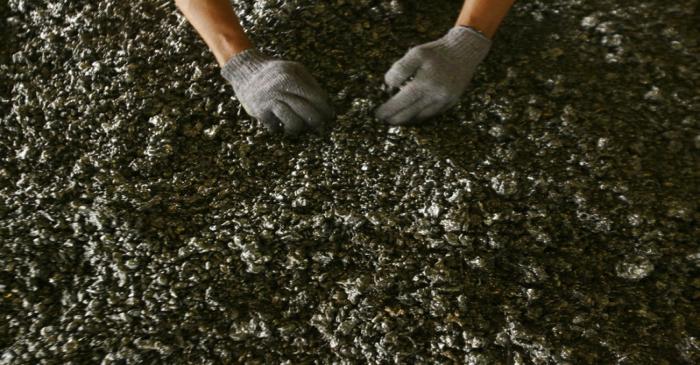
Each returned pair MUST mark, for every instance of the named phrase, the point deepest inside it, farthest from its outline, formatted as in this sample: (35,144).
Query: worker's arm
(484,15)
(432,77)
(281,94)
(218,26)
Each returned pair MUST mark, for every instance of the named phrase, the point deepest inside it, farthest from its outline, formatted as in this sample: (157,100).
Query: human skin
(219,27)
(484,15)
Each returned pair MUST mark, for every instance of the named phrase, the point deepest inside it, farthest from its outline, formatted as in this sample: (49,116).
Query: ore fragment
(550,218)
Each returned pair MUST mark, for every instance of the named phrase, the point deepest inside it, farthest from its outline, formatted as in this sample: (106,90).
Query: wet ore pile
(551,218)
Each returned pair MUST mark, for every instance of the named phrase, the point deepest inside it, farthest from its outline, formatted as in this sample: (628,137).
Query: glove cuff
(467,43)
(239,68)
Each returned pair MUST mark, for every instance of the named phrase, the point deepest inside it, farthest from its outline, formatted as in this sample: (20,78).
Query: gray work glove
(281,94)
(441,72)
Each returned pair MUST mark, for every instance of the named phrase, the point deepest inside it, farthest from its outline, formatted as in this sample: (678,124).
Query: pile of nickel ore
(551,218)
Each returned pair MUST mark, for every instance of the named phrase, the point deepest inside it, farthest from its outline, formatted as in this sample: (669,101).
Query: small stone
(434,210)
(451,225)
(634,268)
(497,131)
(504,184)
(654,94)
(71,345)
(694,258)
(589,22)
(132,264)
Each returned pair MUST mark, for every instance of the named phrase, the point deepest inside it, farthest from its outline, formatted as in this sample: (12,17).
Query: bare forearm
(218,26)
(484,15)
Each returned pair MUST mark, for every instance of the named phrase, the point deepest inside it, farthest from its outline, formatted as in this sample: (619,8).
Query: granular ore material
(551,218)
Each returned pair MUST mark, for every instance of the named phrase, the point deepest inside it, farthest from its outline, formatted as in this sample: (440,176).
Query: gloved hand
(281,94)
(441,72)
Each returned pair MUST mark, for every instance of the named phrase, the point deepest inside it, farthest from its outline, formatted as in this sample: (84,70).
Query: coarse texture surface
(551,218)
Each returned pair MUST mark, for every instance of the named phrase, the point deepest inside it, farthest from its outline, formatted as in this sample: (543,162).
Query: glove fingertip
(295,126)
(396,77)
(398,121)
(270,121)
(382,113)
(403,69)
(389,110)
(292,130)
